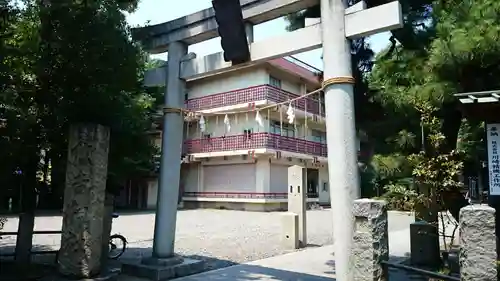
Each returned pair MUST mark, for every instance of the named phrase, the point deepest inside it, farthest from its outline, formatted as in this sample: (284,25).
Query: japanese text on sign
(493,138)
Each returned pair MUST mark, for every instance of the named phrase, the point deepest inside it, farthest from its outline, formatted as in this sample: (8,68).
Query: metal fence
(418,271)
(34,252)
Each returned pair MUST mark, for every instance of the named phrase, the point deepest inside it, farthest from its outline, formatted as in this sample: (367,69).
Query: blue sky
(154,11)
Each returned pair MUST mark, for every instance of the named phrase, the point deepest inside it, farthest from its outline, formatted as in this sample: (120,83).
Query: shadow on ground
(10,270)
(211,263)
(254,273)
(220,269)
(393,274)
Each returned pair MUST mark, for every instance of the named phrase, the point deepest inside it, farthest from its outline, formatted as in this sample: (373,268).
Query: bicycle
(116,251)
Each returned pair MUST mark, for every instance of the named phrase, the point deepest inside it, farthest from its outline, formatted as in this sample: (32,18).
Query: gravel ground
(221,237)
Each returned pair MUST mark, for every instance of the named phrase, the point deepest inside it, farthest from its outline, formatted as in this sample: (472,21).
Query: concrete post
(297,195)
(171,150)
(290,231)
(341,133)
(84,196)
(371,241)
(478,256)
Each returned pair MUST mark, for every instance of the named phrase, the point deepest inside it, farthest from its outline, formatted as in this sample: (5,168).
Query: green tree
(460,55)
(63,63)
(96,76)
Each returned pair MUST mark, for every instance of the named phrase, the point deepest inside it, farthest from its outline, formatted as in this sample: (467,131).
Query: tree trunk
(24,242)
(84,196)
(57,178)
(452,119)
(427,211)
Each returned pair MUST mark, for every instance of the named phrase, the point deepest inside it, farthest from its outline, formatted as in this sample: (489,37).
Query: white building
(240,163)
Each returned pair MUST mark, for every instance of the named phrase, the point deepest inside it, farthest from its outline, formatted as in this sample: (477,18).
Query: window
(273,81)
(248,133)
(206,138)
(318,96)
(287,130)
(318,136)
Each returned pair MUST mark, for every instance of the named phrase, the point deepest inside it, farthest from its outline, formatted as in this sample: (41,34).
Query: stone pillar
(370,241)
(297,195)
(84,195)
(478,256)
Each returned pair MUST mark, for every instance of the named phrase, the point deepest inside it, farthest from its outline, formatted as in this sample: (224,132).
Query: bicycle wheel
(117,245)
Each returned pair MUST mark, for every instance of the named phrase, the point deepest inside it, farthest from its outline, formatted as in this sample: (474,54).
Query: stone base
(163,269)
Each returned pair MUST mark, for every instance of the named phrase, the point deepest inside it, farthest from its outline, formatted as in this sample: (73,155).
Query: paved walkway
(314,264)
(311,264)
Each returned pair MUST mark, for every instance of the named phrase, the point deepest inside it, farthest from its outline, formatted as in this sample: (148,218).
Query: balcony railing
(243,195)
(253,94)
(239,195)
(254,141)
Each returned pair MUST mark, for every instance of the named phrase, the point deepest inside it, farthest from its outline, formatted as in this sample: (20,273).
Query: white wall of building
(279,177)
(229,178)
(227,82)
(262,176)
(286,84)
(193,177)
(232,175)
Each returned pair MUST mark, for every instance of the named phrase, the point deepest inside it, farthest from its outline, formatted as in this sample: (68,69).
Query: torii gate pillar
(341,132)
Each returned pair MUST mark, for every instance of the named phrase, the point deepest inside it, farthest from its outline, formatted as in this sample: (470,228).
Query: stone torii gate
(339,24)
